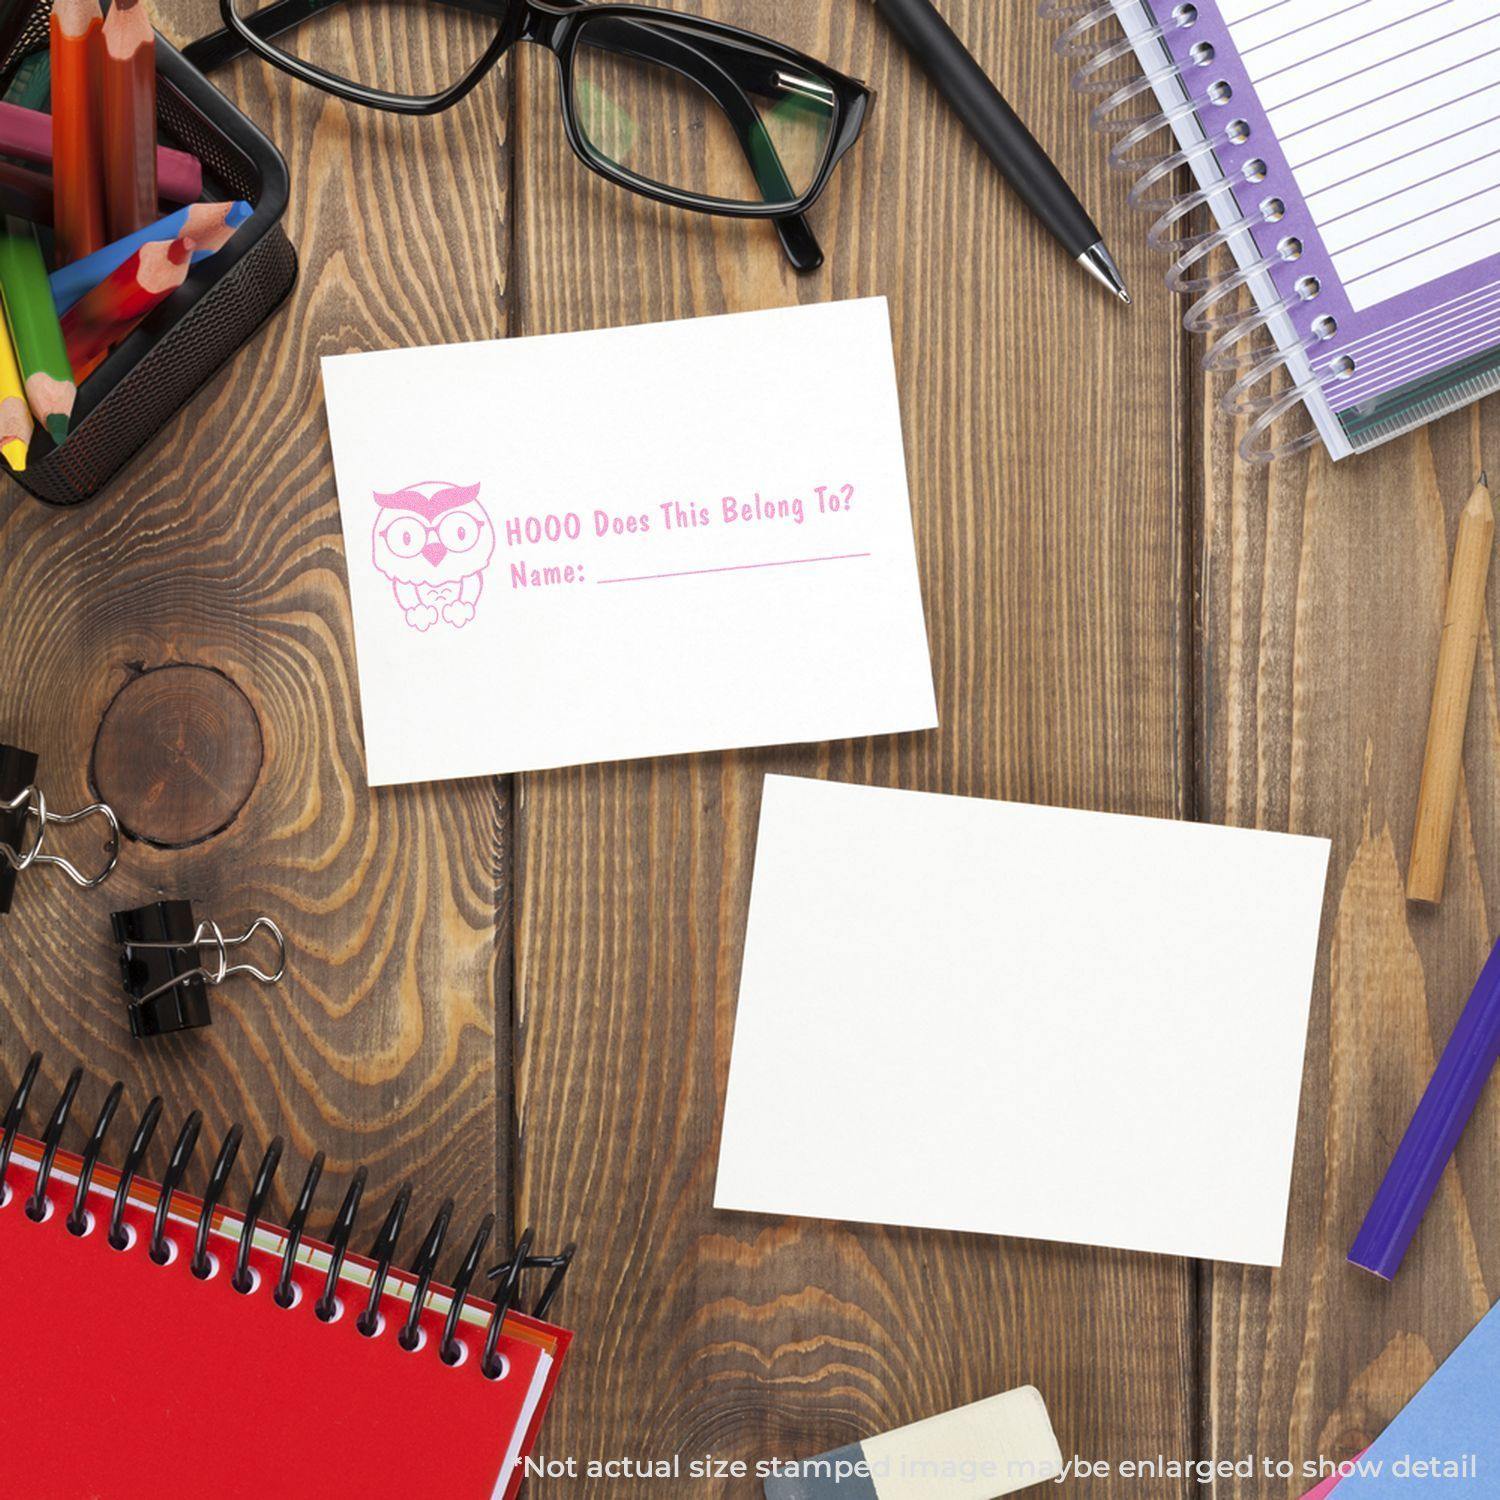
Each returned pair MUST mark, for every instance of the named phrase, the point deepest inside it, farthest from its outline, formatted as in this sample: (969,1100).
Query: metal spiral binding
(1215,310)
(451,1351)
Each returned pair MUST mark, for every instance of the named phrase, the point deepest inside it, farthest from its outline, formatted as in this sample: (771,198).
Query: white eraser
(980,1452)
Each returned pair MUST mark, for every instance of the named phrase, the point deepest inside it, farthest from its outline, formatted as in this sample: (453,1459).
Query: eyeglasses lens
(715,117)
(408,47)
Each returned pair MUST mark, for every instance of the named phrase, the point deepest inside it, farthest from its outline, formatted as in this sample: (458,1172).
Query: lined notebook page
(1389,113)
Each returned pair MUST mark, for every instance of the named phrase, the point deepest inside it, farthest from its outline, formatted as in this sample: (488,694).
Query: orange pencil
(98,321)
(129,118)
(79,182)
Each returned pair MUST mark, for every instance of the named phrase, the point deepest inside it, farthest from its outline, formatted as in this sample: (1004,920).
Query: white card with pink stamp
(637,541)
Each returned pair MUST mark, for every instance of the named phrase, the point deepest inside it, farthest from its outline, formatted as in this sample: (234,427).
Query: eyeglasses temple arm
(223,46)
(797,238)
(694,62)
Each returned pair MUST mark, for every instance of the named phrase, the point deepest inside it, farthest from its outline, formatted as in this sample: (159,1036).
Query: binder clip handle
(207,934)
(30,803)
(222,969)
(166,971)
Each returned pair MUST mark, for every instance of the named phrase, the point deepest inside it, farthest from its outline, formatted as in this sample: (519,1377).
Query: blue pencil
(210,225)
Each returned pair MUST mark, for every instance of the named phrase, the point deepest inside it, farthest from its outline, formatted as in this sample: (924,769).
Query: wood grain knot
(177,754)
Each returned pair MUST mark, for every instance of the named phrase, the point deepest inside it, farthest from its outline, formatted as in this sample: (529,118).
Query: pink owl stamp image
(433,541)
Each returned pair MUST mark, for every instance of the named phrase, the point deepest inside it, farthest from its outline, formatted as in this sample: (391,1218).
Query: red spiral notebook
(128,1379)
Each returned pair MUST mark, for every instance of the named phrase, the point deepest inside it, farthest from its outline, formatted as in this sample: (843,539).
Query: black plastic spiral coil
(383,1252)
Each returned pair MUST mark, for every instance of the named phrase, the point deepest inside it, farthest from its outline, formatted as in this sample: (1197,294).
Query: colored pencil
(26,134)
(208,224)
(1463,619)
(31,85)
(1435,1130)
(128,89)
(34,329)
(97,322)
(76,123)
(25,193)
(16,425)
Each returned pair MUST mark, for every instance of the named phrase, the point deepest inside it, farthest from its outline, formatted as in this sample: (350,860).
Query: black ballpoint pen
(998,129)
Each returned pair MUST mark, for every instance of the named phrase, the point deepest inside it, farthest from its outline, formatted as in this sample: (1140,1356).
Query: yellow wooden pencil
(15,415)
(1463,621)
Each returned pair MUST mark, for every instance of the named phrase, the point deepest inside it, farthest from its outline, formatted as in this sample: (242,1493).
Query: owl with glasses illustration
(433,541)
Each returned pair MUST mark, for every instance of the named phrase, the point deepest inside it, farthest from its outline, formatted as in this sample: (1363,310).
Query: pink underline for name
(791,562)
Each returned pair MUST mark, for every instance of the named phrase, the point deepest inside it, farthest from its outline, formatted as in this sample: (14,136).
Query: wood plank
(1049,494)
(221,550)
(1323,590)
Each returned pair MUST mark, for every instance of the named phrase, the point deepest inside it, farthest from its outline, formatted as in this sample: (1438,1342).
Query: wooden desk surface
(520,992)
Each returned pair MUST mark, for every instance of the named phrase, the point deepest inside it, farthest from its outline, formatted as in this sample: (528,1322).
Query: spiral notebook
(1349,152)
(133,1378)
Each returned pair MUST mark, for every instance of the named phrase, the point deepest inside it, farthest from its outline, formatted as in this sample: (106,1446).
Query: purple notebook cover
(1415,334)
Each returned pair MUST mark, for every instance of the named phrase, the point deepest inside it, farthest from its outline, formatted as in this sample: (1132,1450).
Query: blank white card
(1005,1019)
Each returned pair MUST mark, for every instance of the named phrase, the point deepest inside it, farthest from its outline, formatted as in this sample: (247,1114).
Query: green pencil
(34,328)
(31,86)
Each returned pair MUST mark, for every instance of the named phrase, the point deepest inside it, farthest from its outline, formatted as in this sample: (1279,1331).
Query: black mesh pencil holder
(165,362)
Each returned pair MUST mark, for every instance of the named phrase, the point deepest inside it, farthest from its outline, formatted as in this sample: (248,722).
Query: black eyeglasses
(679,109)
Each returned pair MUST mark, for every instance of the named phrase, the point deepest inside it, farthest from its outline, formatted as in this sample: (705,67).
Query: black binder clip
(164,970)
(23,805)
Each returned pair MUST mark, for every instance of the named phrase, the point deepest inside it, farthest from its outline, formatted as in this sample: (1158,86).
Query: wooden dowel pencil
(1463,618)
(129,118)
(78,179)
(16,425)
(34,329)
(26,134)
(95,324)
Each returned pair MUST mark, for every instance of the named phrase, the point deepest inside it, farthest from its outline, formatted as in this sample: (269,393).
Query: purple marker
(1431,1138)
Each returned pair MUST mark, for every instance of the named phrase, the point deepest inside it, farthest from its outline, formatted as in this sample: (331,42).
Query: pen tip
(1098,262)
(1484,478)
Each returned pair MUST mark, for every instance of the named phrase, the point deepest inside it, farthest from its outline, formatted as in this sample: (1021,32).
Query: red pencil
(129,118)
(98,321)
(75,45)
(26,193)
